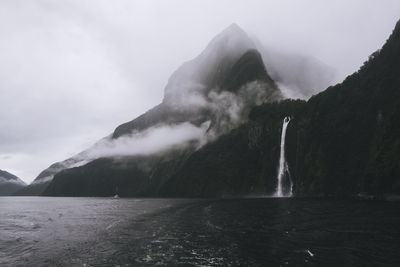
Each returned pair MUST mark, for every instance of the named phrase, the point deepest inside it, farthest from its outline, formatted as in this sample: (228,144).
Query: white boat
(116,192)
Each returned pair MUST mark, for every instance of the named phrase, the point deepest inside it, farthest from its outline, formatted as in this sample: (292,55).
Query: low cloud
(153,140)
(225,110)
(231,109)
(6,181)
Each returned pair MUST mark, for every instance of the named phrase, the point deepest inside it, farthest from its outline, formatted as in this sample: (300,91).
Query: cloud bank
(10,181)
(152,140)
(227,109)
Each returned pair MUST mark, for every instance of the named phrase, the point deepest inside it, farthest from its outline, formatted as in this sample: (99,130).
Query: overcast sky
(71,71)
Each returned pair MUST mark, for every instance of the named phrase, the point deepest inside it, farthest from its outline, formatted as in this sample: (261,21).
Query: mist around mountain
(206,97)
(9,183)
(217,131)
(342,142)
(348,136)
(297,76)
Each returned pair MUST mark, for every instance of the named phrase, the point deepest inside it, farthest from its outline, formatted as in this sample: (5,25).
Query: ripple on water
(241,232)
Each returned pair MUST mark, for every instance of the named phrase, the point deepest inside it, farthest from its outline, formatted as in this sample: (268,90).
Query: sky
(71,71)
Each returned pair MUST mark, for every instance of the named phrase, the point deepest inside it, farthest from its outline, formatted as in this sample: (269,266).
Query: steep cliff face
(346,140)
(352,130)
(9,183)
(227,64)
(210,69)
(243,162)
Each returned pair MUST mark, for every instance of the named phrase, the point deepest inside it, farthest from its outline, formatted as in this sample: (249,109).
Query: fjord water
(40,231)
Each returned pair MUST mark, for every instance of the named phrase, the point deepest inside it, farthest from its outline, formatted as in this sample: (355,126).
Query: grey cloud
(153,140)
(6,181)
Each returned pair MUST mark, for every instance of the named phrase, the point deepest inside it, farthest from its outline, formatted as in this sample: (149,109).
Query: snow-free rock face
(9,183)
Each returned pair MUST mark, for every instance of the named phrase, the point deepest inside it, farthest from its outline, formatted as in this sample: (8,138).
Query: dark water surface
(41,231)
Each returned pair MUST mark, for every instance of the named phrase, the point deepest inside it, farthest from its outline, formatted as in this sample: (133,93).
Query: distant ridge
(9,183)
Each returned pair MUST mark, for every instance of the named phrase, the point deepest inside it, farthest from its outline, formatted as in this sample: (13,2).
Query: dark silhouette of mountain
(227,63)
(9,183)
(243,162)
(228,73)
(46,176)
(349,135)
(342,142)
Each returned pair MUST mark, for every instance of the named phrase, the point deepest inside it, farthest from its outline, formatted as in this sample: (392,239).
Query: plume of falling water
(283,166)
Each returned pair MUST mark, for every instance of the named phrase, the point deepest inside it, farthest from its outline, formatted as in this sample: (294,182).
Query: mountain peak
(7,176)
(234,35)
(207,70)
(234,28)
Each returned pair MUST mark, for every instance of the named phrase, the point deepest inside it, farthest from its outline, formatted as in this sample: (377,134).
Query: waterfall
(283,166)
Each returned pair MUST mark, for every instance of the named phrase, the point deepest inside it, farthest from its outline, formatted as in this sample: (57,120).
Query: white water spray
(283,166)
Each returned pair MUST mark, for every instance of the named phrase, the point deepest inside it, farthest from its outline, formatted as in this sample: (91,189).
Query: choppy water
(39,231)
